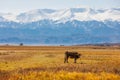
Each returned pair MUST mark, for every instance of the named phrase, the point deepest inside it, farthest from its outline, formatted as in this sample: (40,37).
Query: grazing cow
(74,55)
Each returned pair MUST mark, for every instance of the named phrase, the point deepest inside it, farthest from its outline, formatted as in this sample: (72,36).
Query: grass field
(47,63)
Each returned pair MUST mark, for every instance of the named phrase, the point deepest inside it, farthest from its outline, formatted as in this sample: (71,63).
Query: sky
(17,6)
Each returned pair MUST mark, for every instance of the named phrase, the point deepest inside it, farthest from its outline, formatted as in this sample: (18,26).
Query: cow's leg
(66,59)
(75,60)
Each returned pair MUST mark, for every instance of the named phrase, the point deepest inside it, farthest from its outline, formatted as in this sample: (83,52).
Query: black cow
(74,55)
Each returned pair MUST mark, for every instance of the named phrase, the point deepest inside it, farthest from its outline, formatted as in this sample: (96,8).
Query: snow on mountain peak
(2,19)
(63,15)
(9,16)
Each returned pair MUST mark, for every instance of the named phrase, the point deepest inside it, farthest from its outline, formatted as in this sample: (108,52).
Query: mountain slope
(66,26)
(48,32)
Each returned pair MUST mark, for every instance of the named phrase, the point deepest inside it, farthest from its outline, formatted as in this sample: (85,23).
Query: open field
(47,63)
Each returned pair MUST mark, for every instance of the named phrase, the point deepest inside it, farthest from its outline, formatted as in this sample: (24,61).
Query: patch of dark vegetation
(4,53)
(4,75)
(50,55)
(99,48)
(37,69)
(101,44)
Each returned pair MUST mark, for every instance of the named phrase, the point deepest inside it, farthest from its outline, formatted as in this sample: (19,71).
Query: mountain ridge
(64,15)
(67,26)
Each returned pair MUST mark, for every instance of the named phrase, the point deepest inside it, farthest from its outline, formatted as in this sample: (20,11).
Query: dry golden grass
(46,63)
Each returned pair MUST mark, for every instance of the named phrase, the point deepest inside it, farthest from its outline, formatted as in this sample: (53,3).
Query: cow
(74,55)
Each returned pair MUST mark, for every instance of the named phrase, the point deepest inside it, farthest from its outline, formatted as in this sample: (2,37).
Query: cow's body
(74,55)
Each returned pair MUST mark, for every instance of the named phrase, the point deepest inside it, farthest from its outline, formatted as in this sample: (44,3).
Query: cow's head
(78,55)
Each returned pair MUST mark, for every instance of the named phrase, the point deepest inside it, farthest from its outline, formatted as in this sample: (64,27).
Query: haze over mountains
(65,26)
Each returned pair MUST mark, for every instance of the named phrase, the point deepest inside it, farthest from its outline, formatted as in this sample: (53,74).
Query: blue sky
(16,6)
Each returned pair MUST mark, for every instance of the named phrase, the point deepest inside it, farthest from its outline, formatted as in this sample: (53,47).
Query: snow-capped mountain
(65,26)
(2,19)
(8,16)
(64,15)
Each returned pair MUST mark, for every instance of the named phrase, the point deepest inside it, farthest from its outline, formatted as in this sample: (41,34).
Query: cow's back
(71,54)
